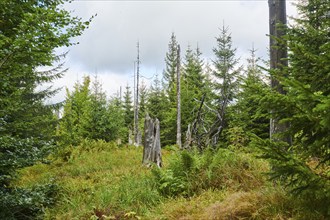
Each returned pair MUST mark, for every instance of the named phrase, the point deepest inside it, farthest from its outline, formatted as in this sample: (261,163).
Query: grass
(110,181)
(103,181)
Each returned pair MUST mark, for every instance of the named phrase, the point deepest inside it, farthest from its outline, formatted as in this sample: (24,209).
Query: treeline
(214,100)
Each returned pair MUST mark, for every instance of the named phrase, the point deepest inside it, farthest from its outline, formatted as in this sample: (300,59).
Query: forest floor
(104,181)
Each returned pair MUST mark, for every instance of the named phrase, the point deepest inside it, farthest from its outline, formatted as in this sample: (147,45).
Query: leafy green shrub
(172,181)
(17,153)
(168,184)
(23,203)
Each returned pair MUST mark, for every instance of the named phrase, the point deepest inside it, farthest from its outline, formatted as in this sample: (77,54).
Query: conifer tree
(116,128)
(156,100)
(88,115)
(157,105)
(30,31)
(143,100)
(193,86)
(75,114)
(245,117)
(168,125)
(169,74)
(226,82)
(95,120)
(128,107)
(128,111)
(304,166)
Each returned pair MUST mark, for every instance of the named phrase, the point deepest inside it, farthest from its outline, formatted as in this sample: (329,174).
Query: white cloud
(109,45)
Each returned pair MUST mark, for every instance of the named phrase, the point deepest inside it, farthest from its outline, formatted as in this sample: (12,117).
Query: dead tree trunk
(136,110)
(148,139)
(188,142)
(178,89)
(278,55)
(152,148)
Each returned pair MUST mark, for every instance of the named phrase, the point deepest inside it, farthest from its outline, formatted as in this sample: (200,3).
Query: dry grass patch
(186,208)
(261,204)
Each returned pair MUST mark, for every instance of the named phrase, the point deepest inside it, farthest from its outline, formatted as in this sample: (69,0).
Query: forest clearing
(212,136)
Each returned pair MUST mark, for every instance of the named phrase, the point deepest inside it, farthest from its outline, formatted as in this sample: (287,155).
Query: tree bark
(188,142)
(178,89)
(278,55)
(136,109)
(152,148)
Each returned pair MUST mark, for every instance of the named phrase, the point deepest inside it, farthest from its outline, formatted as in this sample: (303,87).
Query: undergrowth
(97,180)
(103,181)
(189,173)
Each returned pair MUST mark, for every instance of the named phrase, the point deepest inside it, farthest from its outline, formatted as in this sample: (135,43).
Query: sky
(108,47)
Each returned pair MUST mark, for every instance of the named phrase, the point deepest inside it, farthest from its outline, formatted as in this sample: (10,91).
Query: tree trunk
(136,110)
(278,55)
(178,89)
(152,147)
(188,142)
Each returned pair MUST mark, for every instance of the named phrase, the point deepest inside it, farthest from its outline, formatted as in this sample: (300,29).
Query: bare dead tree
(136,109)
(203,133)
(178,90)
(197,125)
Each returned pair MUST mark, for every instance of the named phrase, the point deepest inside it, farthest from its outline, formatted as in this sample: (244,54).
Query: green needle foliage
(304,166)
(88,115)
(226,81)
(168,131)
(29,33)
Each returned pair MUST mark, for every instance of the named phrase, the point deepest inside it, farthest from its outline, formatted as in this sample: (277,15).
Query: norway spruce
(304,166)
(30,31)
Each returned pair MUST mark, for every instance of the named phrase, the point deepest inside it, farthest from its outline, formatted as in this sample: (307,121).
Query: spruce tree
(304,166)
(226,83)
(143,100)
(116,128)
(157,105)
(128,111)
(95,120)
(308,41)
(246,120)
(169,74)
(168,130)
(75,120)
(155,100)
(30,31)
(193,86)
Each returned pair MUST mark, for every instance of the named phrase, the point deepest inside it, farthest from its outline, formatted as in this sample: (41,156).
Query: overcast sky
(108,47)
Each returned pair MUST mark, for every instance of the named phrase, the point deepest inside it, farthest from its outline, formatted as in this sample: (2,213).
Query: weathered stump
(152,148)
(188,142)
(130,137)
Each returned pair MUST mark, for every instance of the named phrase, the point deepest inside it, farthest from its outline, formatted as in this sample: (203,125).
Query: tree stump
(130,137)
(188,142)
(152,148)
